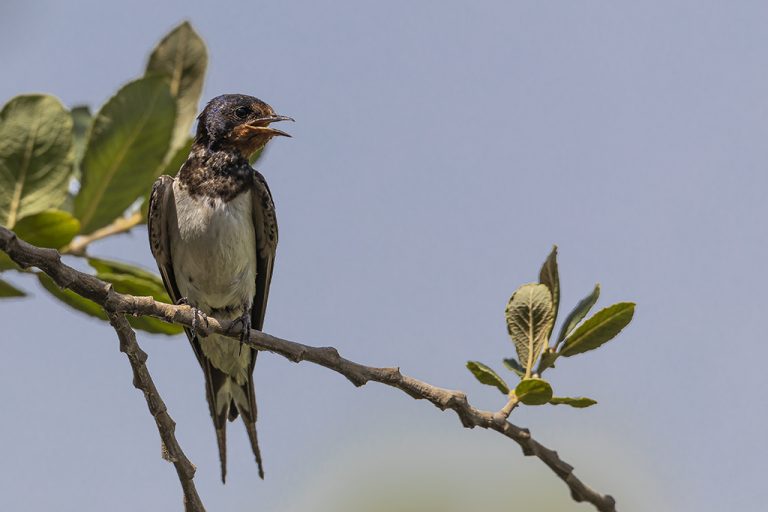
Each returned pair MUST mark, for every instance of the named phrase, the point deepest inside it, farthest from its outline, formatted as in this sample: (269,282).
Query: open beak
(261,126)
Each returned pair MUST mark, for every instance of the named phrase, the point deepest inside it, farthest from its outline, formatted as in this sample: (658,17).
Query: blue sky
(440,149)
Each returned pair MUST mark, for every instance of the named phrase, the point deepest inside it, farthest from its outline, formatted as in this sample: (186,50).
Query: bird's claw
(196,312)
(245,332)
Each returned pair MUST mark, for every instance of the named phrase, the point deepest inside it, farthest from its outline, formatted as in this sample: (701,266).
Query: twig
(165,424)
(120,225)
(510,406)
(48,260)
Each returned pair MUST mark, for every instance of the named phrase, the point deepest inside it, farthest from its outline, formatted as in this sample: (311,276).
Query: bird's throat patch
(248,141)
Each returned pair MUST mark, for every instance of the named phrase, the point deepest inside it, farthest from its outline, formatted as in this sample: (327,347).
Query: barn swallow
(213,233)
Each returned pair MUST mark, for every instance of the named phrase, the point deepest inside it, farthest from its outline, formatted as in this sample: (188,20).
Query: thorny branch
(49,261)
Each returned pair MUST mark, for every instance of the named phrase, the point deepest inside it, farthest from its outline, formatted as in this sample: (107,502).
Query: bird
(213,233)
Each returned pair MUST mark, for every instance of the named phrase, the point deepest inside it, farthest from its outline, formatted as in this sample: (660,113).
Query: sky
(440,149)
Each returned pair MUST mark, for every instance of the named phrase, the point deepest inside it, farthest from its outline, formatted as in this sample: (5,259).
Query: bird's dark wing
(161,219)
(265,227)
(162,209)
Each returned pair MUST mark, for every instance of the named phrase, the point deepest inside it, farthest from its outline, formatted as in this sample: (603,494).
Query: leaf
(6,263)
(82,120)
(178,159)
(51,228)
(578,313)
(173,166)
(549,276)
(533,391)
(154,325)
(529,320)
(127,144)
(182,58)
(512,364)
(256,156)
(71,298)
(123,283)
(602,327)
(103,266)
(578,402)
(8,290)
(548,358)
(487,376)
(132,283)
(35,156)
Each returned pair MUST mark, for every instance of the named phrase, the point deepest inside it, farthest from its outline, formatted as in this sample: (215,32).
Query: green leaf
(512,364)
(173,166)
(103,266)
(71,298)
(529,321)
(256,156)
(51,228)
(8,290)
(127,144)
(534,391)
(35,156)
(578,313)
(579,402)
(182,58)
(487,376)
(548,358)
(549,276)
(6,263)
(153,325)
(123,283)
(127,283)
(133,284)
(82,120)
(178,159)
(602,327)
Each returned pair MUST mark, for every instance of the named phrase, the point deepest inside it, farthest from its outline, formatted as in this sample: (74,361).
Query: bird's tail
(216,385)
(248,412)
(227,398)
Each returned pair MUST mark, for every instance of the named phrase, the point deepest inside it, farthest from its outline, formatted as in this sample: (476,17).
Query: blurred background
(440,149)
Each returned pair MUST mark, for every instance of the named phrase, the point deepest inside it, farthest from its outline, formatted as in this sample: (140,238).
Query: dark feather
(265,223)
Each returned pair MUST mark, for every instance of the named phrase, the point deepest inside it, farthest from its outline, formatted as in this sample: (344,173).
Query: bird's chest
(214,252)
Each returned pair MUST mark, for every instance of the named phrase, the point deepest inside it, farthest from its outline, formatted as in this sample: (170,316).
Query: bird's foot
(245,323)
(196,312)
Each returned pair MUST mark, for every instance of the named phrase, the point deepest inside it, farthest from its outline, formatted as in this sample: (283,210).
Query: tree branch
(49,261)
(120,225)
(165,424)
(511,404)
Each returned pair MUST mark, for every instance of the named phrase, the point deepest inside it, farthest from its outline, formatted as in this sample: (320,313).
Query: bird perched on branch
(213,233)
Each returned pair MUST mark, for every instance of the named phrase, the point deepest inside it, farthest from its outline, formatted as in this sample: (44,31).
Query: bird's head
(239,122)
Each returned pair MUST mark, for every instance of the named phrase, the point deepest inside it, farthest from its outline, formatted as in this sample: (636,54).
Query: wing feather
(265,227)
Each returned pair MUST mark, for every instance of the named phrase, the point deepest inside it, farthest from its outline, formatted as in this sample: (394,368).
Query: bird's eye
(242,112)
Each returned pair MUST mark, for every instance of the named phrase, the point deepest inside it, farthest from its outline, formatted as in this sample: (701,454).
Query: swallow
(213,232)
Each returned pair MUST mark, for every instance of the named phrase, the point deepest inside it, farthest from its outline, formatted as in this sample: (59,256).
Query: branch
(165,424)
(49,261)
(119,225)
(511,404)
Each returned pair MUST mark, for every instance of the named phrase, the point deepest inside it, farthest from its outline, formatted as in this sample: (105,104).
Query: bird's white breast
(214,251)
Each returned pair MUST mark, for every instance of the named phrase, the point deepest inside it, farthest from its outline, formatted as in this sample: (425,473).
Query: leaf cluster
(67,175)
(531,314)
